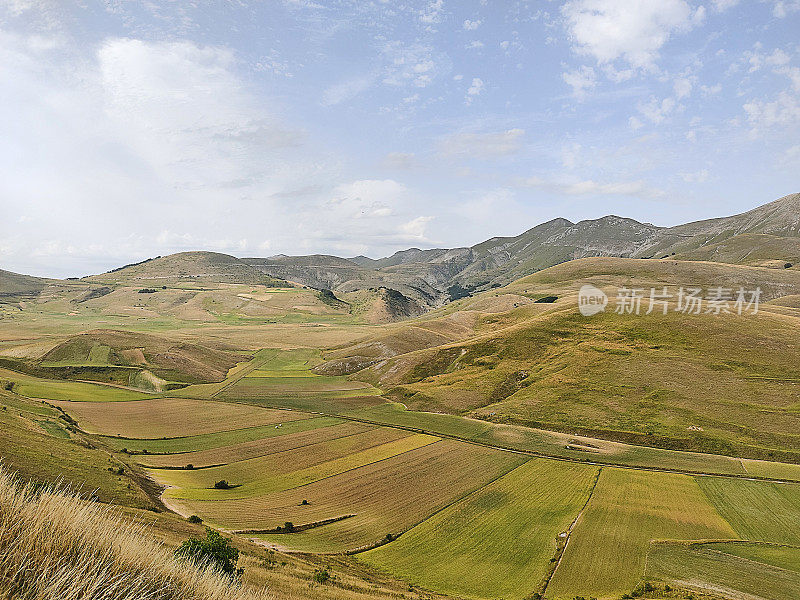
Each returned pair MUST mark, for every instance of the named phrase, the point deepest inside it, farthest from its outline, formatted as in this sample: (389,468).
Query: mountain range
(768,235)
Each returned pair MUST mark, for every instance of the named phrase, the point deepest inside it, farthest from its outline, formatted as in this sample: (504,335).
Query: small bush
(787,266)
(194,519)
(288,527)
(213,550)
(222,484)
(189,467)
(321,576)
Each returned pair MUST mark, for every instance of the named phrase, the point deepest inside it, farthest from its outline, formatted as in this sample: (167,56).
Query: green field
(497,542)
(757,510)
(218,440)
(262,446)
(606,553)
(76,391)
(736,570)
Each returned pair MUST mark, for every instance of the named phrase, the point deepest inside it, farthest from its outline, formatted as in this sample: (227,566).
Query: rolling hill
(722,383)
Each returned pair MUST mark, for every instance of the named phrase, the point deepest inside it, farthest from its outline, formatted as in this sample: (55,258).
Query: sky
(135,129)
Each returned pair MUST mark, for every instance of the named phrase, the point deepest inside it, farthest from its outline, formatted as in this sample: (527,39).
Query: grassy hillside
(749,249)
(721,383)
(198,266)
(40,445)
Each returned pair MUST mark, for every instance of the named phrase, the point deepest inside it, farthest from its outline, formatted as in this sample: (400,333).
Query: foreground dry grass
(54,545)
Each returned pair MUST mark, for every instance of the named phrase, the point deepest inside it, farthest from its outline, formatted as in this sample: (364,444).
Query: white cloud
(472,25)
(783,8)
(475,89)
(700,176)
(474,44)
(482,145)
(723,5)
(635,123)
(432,13)
(581,80)
(590,187)
(633,32)
(656,111)
(793,73)
(414,231)
(683,87)
(409,64)
(346,90)
(783,111)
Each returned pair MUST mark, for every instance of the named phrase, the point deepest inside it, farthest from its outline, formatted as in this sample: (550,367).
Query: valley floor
(314,454)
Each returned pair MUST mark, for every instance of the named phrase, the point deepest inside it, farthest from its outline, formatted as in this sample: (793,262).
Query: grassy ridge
(35,443)
(56,546)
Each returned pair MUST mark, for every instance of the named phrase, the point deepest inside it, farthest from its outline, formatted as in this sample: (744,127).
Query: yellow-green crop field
(170,417)
(606,553)
(386,496)
(497,541)
(199,484)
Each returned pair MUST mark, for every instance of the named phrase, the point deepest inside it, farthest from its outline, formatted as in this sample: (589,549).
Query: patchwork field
(323,431)
(628,510)
(169,417)
(355,458)
(757,510)
(732,570)
(299,467)
(496,542)
(387,496)
(220,439)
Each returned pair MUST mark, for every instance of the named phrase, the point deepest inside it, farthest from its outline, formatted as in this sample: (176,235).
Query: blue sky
(132,129)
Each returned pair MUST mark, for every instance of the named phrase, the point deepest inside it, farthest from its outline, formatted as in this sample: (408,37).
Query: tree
(213,550)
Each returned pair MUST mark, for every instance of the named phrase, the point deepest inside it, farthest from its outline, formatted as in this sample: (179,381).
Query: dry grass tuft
(53,545)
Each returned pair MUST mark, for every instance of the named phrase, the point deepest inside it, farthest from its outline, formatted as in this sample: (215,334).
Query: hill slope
(721,383)
(202,266)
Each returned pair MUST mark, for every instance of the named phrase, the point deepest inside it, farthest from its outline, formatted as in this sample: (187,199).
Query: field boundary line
(453,502)
(245,371)
(572,526)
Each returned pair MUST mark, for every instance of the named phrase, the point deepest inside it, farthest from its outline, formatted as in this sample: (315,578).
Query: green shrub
(213,550)
(222,484)
(194,519)
(321,576)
